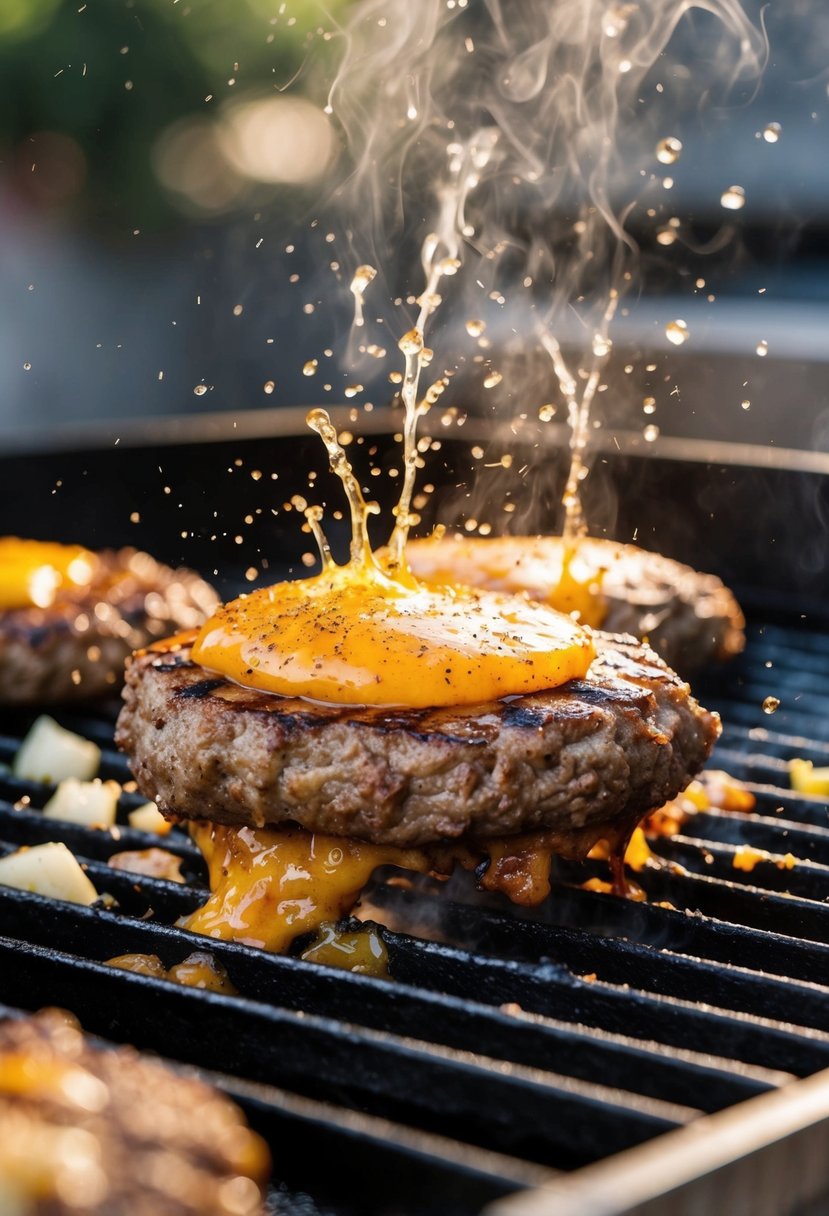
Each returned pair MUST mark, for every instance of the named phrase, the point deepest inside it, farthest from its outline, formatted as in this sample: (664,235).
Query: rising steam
(519,137)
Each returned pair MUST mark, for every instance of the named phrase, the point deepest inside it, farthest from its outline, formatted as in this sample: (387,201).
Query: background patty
(598,752)
(75,649)
(112,1133)
(689,618)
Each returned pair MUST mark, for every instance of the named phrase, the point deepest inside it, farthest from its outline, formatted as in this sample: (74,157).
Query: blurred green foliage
(114,74)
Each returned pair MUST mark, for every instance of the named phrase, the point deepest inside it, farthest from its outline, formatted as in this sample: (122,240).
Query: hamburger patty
(689,618)
(75,649)
(585,759)
(111,1133)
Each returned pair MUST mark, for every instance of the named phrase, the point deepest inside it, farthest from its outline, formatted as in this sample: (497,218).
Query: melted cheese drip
(271,885)
(354,636)
(362,950)
(268,887)
(35,573)
(553,574)
(198,970)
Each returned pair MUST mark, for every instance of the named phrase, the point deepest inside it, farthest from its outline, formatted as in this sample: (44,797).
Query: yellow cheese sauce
(545,568)
(35,573)
(198,970)
(361,950)
(269,886)
(355,636)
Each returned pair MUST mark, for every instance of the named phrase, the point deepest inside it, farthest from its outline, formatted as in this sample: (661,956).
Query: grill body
(596,1055)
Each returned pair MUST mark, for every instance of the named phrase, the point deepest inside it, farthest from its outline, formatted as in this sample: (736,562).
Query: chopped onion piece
(51,753)
(47,869)
(92,804)
(148,818)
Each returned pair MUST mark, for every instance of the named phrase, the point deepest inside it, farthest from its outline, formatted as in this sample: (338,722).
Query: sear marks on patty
(112,1133)
(690,619)
(595,753)
(75,649)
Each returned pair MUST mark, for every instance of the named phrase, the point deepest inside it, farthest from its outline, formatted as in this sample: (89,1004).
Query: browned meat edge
(596,752)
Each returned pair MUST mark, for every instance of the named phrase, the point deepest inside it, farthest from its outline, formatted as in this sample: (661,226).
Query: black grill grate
(516,1045)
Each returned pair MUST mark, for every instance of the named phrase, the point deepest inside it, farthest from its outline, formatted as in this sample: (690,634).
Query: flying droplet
(771,705)
(650,433)
(668,150)
(310,368)
(27,367)
(200,390)
(762,348)
(492,379)
(352,390)
(649,405)
(269,386)
(677,332)
(666,236)
(734,198)
(412,342)
(746,405)
(475,328)
(363,275)
(601,345)
(546,413)
(448,266)
(772,132)
(616,19)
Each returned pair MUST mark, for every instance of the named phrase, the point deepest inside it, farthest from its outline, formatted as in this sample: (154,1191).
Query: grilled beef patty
(111,1133)
(587,759)
(690,619)
(75,649)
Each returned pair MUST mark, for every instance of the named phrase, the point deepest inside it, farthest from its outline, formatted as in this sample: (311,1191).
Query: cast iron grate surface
(508,1044)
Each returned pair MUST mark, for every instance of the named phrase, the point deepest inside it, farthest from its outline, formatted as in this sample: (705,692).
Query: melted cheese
(268,887)
(361,950)
(198,970)
(542,567)
(355,636)
(36,573)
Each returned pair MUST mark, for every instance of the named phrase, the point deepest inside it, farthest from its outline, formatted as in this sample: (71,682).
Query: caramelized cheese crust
(585,760)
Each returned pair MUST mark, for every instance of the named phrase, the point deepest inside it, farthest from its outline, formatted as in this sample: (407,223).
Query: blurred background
(166,169)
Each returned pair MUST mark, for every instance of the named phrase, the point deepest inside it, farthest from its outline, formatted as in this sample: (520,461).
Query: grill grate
(517,1045)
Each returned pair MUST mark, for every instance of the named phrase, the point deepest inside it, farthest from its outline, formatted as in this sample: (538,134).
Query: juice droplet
(762,348)
(351,390)
(668,150)
(771,705)
(546,413)
(666,236)
(269,386)
(615,20)
(319,421)
(649,405)
(310,367)
(677,332)
(601,345)
(734,198)
(200,390)
(475,328)
(411,343)
(746,405)
(492,379)
(772,132)
(27,367)
(363,275)
(448,266)
(650,433)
